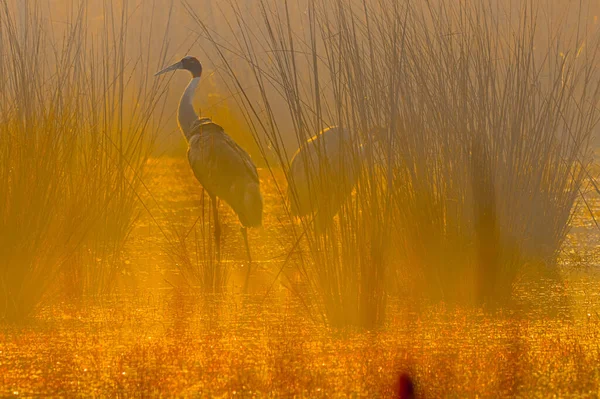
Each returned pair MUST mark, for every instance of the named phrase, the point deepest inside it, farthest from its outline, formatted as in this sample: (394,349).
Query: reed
(493,146)
(191,247)
(488,122)
(78,119)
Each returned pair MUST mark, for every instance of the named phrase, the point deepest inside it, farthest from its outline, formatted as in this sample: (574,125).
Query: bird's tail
(253,204)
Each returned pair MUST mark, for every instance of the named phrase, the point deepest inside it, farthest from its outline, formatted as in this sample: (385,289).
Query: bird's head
(188,63)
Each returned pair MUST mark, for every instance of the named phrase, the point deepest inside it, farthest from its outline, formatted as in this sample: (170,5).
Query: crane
(221,166)
(323,173)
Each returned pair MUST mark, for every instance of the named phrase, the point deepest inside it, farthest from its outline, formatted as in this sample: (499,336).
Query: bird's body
(226,171)
(323,173)
(223,168)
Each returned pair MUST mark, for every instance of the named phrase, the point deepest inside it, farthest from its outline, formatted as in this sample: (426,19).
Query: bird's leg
(245,235)
(217,227)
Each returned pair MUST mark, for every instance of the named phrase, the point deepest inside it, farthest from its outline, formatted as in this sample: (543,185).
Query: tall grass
(493,145)
(488,111)
(78,120)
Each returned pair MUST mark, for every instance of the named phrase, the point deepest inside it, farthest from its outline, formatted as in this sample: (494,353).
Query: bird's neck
(186,115)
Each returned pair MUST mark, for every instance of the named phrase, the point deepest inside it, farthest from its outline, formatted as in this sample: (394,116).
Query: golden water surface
(151,338)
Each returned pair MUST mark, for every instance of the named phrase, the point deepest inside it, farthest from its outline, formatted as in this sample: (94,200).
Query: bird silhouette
(221,166)
(324,171)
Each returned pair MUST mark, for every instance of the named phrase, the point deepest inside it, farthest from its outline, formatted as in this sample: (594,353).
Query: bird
(223,168)
(323,173)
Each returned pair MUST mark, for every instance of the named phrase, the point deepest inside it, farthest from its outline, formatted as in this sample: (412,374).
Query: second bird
(223,168)
(323,173)
(325,170)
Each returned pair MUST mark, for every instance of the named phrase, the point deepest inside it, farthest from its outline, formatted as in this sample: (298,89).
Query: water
(151,339)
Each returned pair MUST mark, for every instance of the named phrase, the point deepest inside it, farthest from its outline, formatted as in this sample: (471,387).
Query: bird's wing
(243,156)
(218,161)
(208,127)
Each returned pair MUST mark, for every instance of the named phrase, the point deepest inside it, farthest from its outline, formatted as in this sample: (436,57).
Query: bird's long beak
(173,67)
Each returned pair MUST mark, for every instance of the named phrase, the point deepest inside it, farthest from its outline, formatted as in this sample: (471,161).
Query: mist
(318,198)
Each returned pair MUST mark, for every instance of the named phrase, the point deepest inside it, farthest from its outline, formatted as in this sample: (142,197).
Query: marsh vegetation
(464,253)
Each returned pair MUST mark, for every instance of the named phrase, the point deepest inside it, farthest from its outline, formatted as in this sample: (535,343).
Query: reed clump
(73,152)
(488,115)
